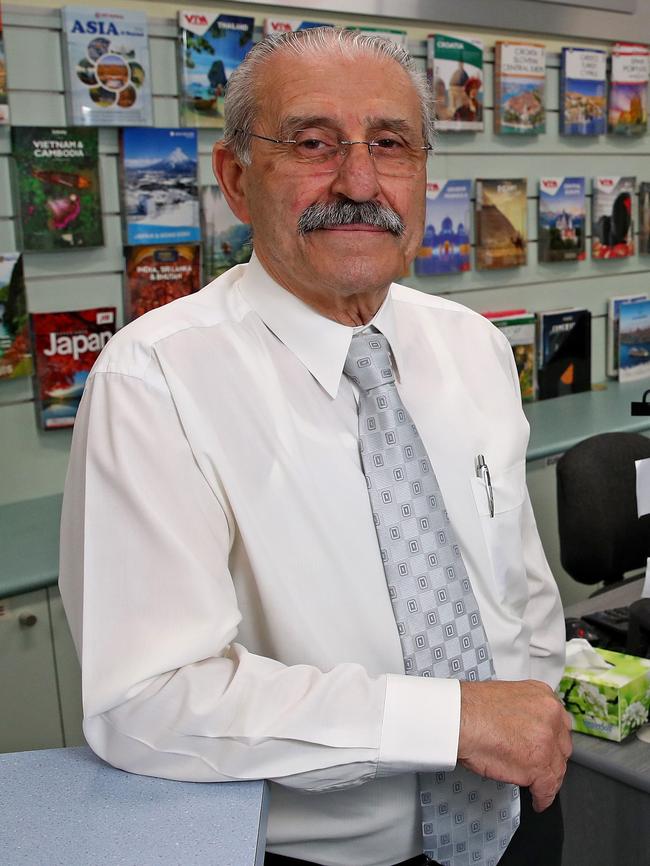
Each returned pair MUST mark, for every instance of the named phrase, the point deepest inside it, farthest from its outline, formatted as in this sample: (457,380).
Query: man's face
(347,99)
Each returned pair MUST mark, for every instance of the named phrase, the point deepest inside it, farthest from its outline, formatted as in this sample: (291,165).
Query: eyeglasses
(392,156)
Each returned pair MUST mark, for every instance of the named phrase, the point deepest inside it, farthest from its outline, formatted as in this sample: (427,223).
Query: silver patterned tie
(466,820)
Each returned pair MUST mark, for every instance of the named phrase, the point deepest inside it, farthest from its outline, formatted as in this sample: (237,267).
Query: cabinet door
(68,670)
(29,706)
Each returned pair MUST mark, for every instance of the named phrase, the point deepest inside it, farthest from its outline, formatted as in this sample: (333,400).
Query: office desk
(65,807)
(606,792)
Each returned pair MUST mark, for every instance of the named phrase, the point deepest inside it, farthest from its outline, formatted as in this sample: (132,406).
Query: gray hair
(240,107)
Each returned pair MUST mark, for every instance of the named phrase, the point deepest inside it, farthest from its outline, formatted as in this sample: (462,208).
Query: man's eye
(313,144)
(388,144)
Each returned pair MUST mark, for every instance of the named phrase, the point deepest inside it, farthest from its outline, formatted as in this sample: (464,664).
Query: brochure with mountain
(501,223)
(156,275)
(226,241)
(211,47)
(66,345)
(583,91)
(612,228)
(15,354)
(56,180)
(446,243)
(519,328)
(455,72)
(613,319)
(4,99)
(634,341)
(159,185)
(106,67)
(562,219)
(564,352)
(519,85)
(628,89)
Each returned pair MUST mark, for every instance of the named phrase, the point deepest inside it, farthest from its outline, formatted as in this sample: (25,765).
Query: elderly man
(296,540)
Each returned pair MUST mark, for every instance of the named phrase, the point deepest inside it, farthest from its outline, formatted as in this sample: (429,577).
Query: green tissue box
(609,703)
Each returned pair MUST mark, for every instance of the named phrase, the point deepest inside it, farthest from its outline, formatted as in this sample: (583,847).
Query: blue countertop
(66,807)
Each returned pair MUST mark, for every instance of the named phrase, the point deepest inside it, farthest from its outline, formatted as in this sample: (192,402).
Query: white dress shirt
(221,572)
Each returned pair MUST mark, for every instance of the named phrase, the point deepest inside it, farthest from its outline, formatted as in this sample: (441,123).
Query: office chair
(601,535)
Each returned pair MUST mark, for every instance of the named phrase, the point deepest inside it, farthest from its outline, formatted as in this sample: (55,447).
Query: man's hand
(515,732)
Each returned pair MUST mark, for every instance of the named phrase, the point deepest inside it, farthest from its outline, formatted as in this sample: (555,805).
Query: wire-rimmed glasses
(324,153)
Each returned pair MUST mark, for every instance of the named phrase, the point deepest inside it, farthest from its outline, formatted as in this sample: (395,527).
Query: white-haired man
(283,554)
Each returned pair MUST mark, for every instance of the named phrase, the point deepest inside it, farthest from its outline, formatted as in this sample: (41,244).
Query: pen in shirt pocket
(483,473)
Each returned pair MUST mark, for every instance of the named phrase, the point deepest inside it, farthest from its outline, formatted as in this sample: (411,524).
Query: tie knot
(368,361)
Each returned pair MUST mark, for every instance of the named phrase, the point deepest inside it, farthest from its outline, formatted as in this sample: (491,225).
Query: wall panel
(73,279)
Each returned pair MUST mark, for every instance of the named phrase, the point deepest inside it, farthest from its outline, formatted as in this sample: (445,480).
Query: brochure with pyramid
(501,223)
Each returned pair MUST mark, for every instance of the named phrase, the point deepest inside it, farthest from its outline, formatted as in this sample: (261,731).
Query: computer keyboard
(614,621)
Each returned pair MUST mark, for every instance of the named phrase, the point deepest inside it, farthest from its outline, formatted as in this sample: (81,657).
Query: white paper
(643,486)
(581,654)
(645,592)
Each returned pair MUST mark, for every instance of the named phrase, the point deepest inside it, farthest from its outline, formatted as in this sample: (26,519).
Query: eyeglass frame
(369,144)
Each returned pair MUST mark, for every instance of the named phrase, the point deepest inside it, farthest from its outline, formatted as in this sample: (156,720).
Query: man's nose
(356,177)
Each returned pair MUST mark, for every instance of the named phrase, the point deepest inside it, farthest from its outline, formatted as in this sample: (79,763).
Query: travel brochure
(446,243)
(501,223)
(612,232)
(106,67)
(562,219)
(159,185)
(15,354)
(634,341)
(519,84)
(66,345)
(583,91)
(211,47)
(226,240)
(628,90)
(613,323)
(56,181)
(156,275)
(4,99)
(518,326)
(564,352)
(455,72)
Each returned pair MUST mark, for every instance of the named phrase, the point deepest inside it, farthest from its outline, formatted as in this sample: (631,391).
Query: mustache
(324,215)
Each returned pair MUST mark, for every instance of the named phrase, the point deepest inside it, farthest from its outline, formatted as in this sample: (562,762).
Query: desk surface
(558,424)
(64,806)
(627,762)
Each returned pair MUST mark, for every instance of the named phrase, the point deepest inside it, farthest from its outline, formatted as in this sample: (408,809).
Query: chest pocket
(503,533)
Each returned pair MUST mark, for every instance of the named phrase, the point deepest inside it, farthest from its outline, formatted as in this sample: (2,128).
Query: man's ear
(229,173)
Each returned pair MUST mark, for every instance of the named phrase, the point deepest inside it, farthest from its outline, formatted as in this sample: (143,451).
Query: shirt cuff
(421,725)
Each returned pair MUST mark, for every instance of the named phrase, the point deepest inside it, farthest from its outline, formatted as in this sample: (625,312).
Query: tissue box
(608,703)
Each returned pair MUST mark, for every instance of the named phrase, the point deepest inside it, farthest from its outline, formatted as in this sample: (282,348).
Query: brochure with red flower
(66,345)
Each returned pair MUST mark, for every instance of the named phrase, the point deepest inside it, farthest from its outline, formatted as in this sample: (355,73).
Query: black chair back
(601,535)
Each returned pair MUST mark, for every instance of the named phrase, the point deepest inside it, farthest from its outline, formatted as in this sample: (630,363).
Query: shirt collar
(321,344)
